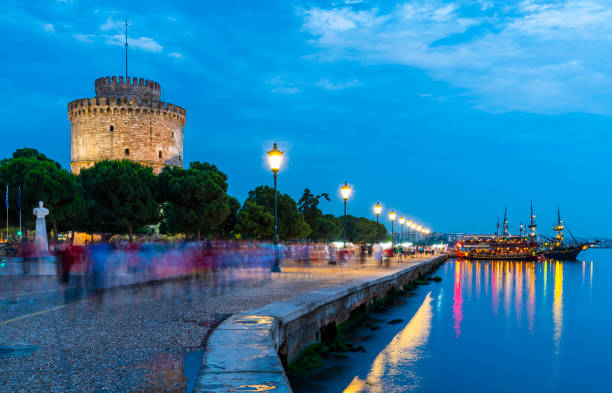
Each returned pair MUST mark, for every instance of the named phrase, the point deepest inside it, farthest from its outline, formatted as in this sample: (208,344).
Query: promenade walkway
(136,339)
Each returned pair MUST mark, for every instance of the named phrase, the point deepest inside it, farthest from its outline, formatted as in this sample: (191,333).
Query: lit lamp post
(408,223)
(420,230)
(392,217)
(377,211)
(345,190)
(402,220)
(275,158)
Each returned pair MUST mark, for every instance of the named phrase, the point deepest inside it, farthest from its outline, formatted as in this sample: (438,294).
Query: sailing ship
(528,247)
(499,247)
(557,248)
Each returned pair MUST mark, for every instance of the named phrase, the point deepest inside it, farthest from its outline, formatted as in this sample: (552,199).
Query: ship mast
(558,229)
(506,232)
(532,226)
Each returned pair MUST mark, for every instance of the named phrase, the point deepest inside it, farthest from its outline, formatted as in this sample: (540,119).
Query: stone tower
(126,120)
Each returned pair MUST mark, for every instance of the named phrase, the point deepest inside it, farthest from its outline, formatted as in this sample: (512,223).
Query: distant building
(126,120)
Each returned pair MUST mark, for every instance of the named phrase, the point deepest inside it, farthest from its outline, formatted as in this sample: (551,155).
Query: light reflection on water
(402,351)
(509,326)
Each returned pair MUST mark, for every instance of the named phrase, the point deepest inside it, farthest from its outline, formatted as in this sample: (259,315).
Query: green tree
(360,229)
(120,197)
(291,224)
(41,179)
(255,222)
(308,207)
(227,229)
(328,228)
(196,200)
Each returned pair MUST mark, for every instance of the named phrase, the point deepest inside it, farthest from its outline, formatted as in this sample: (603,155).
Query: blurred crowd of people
(95,267)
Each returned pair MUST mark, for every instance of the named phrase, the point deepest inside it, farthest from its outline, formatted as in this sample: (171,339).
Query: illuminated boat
(508,247)
(556,248)
(501,247)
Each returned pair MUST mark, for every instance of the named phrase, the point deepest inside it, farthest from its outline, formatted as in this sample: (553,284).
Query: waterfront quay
(251,349)
(139,338)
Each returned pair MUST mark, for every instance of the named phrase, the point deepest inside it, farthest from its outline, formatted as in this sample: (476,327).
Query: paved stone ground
(134,339)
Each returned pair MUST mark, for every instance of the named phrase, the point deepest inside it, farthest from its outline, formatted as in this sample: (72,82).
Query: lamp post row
(417,230)
(275,157)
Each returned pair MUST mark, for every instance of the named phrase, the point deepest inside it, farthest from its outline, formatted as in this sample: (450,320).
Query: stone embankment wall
(250,349)
(126,120)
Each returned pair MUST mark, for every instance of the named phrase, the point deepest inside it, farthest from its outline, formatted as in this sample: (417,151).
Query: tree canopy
(120,196)
(308,207)
(195,199)
(291,224)
(41,179)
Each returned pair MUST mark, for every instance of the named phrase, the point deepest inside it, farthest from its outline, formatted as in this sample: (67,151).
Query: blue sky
(443,111)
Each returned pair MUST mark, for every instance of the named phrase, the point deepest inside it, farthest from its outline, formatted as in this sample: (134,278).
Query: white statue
(40,241)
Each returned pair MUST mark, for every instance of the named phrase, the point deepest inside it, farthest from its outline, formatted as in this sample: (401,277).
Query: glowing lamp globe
(402,220)
(345,190)
(275,157)
(377,208)
(392,215)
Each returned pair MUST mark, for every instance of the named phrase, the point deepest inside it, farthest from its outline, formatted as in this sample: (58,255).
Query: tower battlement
(119,87)
(122,106)
(126,120)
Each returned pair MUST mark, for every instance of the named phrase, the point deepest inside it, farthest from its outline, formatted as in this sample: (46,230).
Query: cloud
(49,28)
(111,24)
(144,43)
(175,55)
(88,38)
(286,90)
(282,86)
(535,56)
(329,85)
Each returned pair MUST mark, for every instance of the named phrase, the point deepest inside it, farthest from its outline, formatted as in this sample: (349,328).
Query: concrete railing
(249,350)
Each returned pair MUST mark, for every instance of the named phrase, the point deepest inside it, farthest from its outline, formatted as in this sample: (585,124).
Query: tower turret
(126,120)
(118,87)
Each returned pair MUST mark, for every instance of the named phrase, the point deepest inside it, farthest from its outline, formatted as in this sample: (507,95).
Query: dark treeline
(126,198)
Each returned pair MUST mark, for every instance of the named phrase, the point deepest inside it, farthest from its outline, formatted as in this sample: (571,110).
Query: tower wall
(102,128)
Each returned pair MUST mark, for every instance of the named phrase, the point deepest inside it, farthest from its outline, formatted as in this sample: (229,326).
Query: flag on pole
(6,199)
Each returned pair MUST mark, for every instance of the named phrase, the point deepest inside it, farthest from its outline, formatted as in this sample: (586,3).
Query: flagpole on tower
(126,48)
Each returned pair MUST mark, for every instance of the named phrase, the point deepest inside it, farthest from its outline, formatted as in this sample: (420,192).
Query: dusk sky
(443,111)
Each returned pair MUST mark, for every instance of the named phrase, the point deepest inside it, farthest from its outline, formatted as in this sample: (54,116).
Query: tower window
(112,128)
(160,154)
(127,152)
(173,134)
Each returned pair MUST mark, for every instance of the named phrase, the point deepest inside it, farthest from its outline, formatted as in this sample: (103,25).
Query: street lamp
(345,190)
(377,211)
(392,217)
(275,157)
(402,220)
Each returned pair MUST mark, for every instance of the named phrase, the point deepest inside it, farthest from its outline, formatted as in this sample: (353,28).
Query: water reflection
(405,349)
(558,305)
(515,283)
(457,300)
(531,298)
(501,315)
